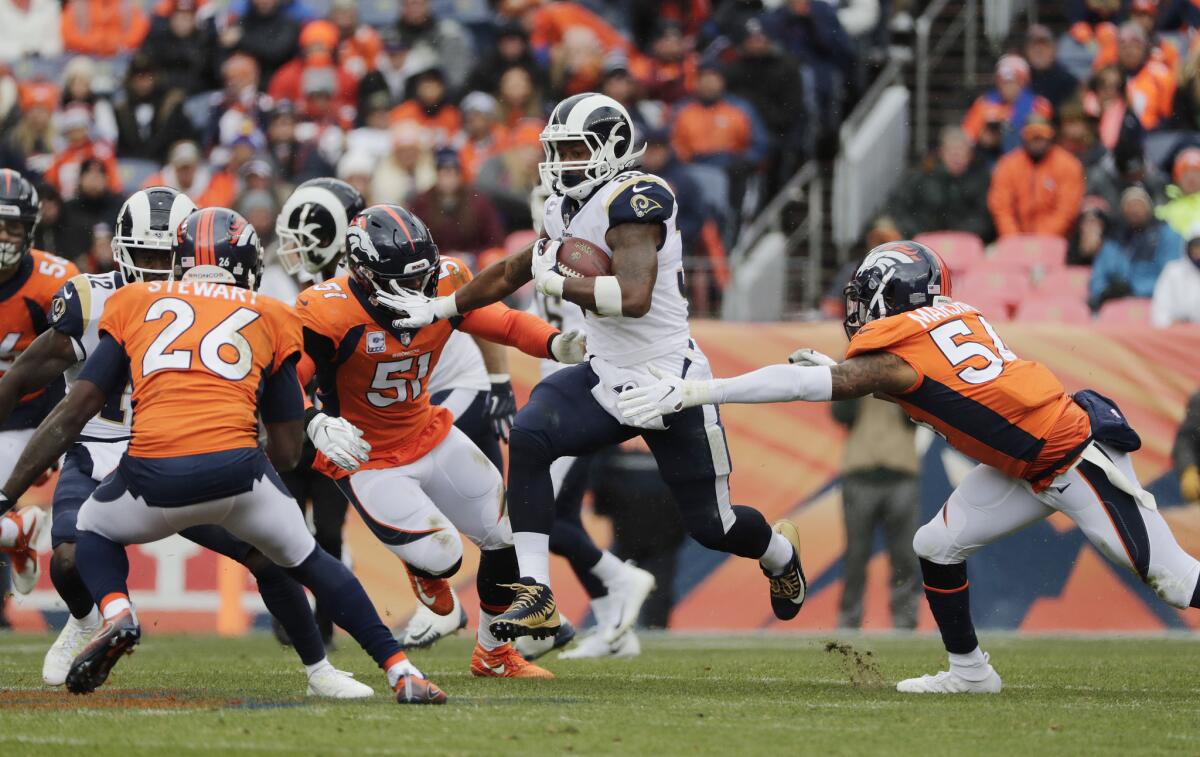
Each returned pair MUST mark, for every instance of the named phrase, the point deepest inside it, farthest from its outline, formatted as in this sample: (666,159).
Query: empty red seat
(1037,253)
(992,308)
(1127,310)
(960,250)
(1054,310)
(1010,286)
(1070,282)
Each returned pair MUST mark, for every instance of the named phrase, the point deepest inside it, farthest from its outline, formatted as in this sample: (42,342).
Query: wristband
(608,295)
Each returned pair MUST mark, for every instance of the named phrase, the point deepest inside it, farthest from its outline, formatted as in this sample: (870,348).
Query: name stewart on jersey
(214,289)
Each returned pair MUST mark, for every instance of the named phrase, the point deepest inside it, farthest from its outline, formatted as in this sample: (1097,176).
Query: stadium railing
(963,24)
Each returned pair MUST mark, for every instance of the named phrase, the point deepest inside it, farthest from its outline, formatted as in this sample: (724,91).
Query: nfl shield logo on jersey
(376,342)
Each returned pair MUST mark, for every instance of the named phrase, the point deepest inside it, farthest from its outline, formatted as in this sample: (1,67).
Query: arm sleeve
(282,398)
(777,383)
(108,367)
(500,324)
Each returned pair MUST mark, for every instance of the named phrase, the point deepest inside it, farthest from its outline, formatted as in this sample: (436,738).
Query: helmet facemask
(12,252)
(127,252)
(577,178)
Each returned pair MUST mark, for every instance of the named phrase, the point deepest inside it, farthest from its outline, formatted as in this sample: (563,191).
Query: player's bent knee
(62,560)
(934,543)
(425,573)
(528,448)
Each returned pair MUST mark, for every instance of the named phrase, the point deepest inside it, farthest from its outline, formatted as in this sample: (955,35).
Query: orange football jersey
(24,313)
(375,376)
(1009,413)
(198,352)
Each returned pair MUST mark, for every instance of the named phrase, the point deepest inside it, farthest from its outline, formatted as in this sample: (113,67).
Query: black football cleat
(788,588)
(532,613)
(115,639)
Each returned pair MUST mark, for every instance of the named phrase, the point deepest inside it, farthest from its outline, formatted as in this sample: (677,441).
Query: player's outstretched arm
(47,358)
(872,373)
(500,324)
(493,284)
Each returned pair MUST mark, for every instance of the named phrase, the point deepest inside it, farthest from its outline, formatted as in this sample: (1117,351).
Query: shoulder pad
(71,307)
(882,334)
(642,198)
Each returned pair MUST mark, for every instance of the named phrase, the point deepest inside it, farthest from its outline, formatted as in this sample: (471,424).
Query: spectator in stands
(511,174)
(670,74)
(1182,211)
(356,169)
(150,117)
(185,172)
(1177,291)
(1048,78)
(267,34)
(1038,187)
(880,489)
(1134,253)
(31,27)
(948,194)
(96,203)
(259,207)
(373,136)
(75,125)
(1092,31)
(997,117)
(10,99)
(1089,232)
(712,131)
(428,107)
(359,46)
(1186,451)
(34,136)
(258,175)
(419,27)
(512,49)
(1149,83)
(550,24)
(692,206)
(460,219)
(409,169)
(1106,100)
(1187,94)
(518,97)
(577,62)
(1143,13)
(103,27)
(318,42)
(619,84)
(769,79)
(79,88)
(482,134)
(812,33)
(390,74)
(240,98)
(184,47)
(48,235)
(1106,173)
(296,160)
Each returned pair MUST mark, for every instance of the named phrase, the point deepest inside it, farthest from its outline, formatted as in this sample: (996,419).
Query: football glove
(501,406)
(339,440)
(806,356)
(670,394)
(569,348)
(415,309)
(546,277)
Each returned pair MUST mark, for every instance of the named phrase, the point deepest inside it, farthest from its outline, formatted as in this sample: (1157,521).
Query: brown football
(579,259)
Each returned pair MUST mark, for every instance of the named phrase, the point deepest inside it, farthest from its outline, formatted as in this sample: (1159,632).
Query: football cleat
(598,645)
(31,523)
(426,627)
(630,594)
(504,662)
(950,682)
(434,593)
(788,588)
(73,637)
(115,639)
(532,613)
(416,689)
(328,681)
(531,648)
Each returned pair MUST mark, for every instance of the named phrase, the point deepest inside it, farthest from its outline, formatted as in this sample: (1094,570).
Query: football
(579,259)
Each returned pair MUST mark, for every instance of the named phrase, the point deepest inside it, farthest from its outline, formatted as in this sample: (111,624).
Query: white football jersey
(460,366)
(630,197)
(75,311)
(562,315)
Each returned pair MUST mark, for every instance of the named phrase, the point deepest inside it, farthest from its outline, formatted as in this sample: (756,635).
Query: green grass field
(695,695)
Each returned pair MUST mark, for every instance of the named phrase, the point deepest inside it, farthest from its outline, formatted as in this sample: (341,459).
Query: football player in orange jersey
(421,481)
(206,356)
(1040,449)
(28,281)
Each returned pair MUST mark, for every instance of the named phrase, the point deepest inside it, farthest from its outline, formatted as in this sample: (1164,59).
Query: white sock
(115,607)
(91,620)
(605,610)
(778,555)
(486,639)
(533,555)
(323,662)
(608,569)
(971,666)
(9,531)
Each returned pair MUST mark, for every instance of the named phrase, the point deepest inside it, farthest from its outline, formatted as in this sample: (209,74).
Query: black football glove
(501,406)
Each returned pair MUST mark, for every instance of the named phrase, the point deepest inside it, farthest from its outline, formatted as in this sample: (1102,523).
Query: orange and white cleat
(434,593)
(504,662)
(32,524)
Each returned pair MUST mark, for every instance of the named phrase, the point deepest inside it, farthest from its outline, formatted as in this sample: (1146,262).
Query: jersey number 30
(159,356)
(945,337)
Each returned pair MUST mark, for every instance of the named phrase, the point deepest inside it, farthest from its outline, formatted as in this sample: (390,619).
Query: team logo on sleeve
(376,342)
(643,204)
(58,308)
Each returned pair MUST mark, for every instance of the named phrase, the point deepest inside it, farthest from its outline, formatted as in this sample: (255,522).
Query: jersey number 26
(226,334)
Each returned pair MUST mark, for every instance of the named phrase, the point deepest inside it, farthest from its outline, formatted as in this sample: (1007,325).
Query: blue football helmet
(388,248)
(217,244)
(895,277)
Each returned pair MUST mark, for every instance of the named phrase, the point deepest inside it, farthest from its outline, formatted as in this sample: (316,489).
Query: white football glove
(339,440)
(670,394)
(545,256)
(415,309)
(569,348)
(806,356)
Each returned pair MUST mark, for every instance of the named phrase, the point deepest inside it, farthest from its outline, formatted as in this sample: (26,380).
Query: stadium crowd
(1081,163)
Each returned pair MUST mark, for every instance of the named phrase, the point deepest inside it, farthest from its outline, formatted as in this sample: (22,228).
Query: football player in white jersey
(636,318)
(141,244)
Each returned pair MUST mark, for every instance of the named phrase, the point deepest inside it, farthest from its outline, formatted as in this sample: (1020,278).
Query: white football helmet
(312,224)
(149,220)
(604,126)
